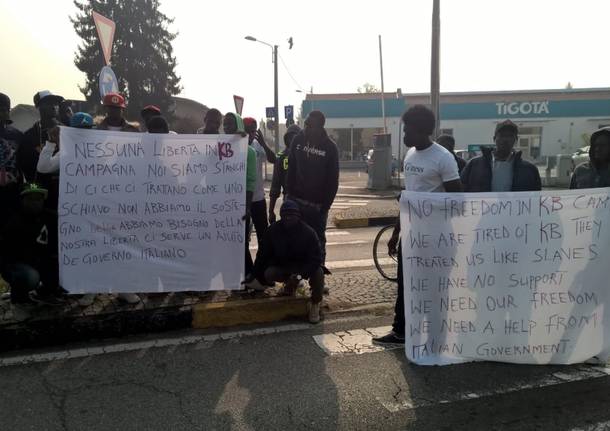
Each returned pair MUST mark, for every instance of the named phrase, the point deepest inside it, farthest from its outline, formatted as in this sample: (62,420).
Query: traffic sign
(270,112)
(108,82)
(239,104)
(105,31)
(289,112)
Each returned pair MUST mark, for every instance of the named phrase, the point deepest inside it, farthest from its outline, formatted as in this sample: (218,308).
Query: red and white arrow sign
(105,31)
(239,104)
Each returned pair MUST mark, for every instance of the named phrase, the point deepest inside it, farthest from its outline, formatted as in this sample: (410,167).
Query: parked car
(580,156)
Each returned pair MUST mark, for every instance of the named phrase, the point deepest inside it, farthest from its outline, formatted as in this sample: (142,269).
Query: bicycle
(386,264)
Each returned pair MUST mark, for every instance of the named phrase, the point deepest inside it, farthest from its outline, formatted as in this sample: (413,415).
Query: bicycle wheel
(386,265)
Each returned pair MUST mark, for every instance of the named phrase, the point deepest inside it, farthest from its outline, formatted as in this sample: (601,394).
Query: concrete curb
(233,313)
(349,223)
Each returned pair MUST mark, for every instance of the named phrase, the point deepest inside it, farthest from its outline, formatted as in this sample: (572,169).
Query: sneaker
(255,285)
(86,300)
(314,312)
(391,338)
(22,310)
(129,298)
(46,299)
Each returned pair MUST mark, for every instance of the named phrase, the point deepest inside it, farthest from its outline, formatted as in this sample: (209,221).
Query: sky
(485,45)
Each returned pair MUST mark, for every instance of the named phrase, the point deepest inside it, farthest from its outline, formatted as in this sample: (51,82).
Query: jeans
(316,219)
(399,307)
(283,273)
(22,279)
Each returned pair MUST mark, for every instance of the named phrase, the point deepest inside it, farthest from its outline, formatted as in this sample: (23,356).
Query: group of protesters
(291,250)
(431,166)
(305,176)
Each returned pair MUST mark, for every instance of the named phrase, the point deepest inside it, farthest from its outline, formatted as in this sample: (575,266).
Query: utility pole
(385,125)
(435,66)
(275,101)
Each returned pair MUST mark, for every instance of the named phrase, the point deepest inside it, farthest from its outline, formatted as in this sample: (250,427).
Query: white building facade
(550,122)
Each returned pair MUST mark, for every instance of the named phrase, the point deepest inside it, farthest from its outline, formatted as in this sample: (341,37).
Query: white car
(580,156)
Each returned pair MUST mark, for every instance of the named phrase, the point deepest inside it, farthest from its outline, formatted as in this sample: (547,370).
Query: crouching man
(290,251)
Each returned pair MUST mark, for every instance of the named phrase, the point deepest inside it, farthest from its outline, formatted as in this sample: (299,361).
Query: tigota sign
(523,108)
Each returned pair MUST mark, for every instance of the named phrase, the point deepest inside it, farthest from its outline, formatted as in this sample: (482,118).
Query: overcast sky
(485,45)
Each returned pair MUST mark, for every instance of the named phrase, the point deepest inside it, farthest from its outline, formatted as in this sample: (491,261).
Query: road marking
(575,373)
(86,352)
(354,342)
(601,426)
(337,232)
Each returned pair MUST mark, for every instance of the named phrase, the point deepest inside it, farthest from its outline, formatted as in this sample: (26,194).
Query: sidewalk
(108,317)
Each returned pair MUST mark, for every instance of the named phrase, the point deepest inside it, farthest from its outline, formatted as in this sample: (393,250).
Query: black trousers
(258,216)
(399,307)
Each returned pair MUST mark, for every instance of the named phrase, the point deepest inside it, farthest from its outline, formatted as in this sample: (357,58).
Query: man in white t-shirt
(428,167)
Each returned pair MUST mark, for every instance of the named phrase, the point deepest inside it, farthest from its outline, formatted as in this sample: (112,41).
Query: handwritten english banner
(509,277)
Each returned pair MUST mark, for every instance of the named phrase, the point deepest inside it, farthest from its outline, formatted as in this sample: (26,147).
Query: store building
(551,122)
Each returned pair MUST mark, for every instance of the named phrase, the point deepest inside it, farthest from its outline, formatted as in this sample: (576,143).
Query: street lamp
(311,93)
(275,90)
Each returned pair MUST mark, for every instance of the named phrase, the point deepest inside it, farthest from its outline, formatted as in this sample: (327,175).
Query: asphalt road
(279,378)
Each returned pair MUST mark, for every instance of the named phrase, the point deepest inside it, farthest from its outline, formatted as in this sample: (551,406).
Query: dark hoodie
(476,176)
(282,246)
(588,175)
(313,171)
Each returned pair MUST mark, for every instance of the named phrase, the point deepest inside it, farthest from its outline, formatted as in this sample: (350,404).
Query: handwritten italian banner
(510,277)
(145,212)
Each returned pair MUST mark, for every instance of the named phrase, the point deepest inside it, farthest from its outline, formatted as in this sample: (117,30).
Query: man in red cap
(114,120)
(147,113)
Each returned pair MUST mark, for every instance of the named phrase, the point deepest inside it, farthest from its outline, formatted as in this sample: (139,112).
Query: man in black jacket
(503,169)
(10,170)
(290,249)
(280,169)
(28,251)
(448,142)
(596,172)
(313,174)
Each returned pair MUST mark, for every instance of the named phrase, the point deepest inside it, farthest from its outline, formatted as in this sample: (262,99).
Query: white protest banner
(143,212)
(510,277)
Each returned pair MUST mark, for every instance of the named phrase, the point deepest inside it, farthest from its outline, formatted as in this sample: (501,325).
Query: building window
(530,139)
(353,143)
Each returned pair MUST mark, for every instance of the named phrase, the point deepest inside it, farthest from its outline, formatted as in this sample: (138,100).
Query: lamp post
(311,93)
(275,91)
(435,65)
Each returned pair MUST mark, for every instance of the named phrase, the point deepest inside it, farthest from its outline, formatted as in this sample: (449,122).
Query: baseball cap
(47,96)
(506,124)
(290,207)
(114,99)
(81,120)
(151,108)
(33,188)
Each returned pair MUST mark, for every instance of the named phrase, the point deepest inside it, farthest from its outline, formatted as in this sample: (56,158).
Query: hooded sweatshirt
(313,171)
(589,175)
(250,157)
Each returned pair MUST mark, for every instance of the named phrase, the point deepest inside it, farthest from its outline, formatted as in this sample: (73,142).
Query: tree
(569,86)
(142,53)
(368,88)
